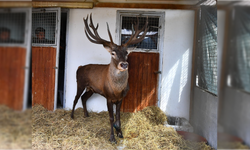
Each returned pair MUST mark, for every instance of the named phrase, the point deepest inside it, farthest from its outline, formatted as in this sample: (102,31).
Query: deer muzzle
(123,66)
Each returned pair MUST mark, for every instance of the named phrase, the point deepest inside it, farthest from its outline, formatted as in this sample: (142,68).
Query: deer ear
(129,50)
(108,49)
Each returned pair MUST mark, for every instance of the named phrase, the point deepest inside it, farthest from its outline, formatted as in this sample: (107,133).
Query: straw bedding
(141,130)
(232,145)
(56,130)
(15,129)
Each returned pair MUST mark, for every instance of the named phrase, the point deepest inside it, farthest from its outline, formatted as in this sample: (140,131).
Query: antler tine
(87,28)
(94,37)
(93,27)
(110,36)
(90,39)
(92,24)
(133,39)
(134,30)
(137,24)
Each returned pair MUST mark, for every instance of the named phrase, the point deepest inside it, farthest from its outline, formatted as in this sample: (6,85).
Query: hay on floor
(141,130)
(15,129)
(231,145)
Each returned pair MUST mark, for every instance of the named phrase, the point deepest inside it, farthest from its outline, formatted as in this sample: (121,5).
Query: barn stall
(15,28)
(160,68)
(160,75)
(164,69)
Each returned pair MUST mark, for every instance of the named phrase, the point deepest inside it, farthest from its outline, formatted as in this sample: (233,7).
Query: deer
(110,80)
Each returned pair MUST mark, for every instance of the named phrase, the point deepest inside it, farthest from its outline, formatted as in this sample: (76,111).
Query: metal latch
(156,27)
(157,72)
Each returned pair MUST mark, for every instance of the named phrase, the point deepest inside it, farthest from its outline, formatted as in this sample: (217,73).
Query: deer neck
(117,79)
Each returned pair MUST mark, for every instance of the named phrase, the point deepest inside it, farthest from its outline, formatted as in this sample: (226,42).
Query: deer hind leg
(117,124)
(84,98)
(111,118)
(78,94)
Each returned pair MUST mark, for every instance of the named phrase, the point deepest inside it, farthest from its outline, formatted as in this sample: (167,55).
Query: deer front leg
(117,124)
(111,118)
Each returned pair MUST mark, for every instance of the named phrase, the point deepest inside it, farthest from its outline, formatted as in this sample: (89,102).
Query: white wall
(177,63)
(177,52)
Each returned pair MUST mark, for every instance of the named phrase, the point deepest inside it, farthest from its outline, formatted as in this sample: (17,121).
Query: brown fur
(110,81)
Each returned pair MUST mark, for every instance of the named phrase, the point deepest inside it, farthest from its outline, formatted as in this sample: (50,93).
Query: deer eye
(113,53)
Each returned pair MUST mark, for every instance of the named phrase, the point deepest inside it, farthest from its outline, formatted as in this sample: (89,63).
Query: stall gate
(14,56)
(45,52)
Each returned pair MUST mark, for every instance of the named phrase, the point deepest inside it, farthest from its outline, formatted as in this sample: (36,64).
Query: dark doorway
(61,68)
(29,101)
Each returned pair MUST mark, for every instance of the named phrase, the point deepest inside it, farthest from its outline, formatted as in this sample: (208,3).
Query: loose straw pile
(141,130)
(232,145)
(15,129)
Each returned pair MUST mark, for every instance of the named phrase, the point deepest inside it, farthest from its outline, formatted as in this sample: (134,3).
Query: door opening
(61,68)
(29,97)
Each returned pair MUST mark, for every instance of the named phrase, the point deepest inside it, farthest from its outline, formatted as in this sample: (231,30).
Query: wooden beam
(40,4)
(90,5)
(84,5)
(145,6)
(14,4)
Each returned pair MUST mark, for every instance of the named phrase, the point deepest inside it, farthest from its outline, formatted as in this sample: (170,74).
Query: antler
(133,39)
(94,37)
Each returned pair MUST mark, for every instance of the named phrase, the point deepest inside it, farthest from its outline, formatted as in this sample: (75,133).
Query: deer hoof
(112,140)
(86,115)
(120,135)
(72,116)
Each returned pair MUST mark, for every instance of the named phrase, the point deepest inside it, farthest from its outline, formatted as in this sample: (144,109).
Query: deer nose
(124,65)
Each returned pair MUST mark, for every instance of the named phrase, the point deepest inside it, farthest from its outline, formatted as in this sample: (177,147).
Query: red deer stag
(111,80)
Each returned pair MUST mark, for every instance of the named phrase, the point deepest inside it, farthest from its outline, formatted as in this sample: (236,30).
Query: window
(12,27)
(44,27)
(207,50)
(151,40)
(239,50)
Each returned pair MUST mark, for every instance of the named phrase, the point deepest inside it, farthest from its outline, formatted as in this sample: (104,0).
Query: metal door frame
(57,42)
(26,44)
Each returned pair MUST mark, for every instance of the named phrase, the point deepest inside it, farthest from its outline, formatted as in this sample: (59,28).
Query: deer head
(119,53)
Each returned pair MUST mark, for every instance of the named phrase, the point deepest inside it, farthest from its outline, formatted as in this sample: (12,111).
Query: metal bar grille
(207,50)
(151,39)
(12,27)
(239,52)
(44,28)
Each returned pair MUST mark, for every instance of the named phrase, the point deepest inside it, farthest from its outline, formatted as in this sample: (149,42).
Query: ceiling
(156,4)
(184,2)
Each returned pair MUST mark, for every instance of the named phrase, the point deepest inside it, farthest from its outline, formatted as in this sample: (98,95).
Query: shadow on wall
(174,83)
